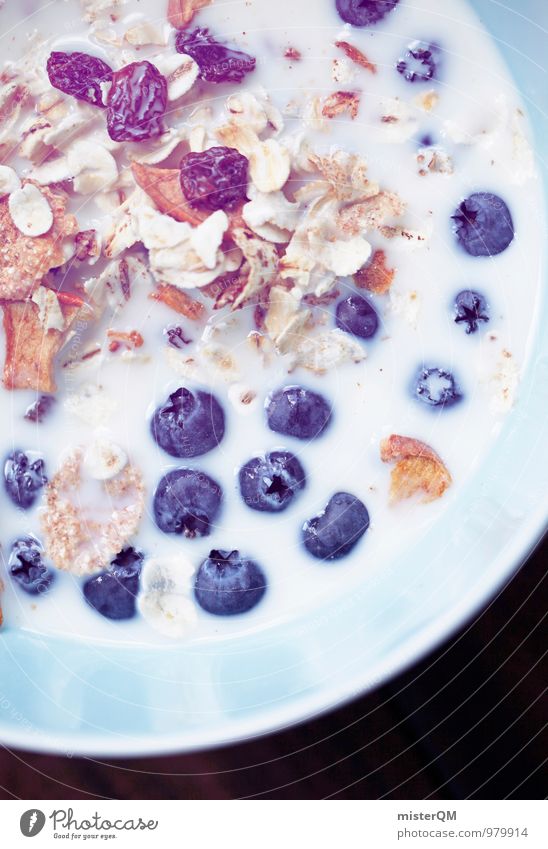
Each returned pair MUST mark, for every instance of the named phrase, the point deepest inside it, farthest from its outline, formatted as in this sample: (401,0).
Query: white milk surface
(371,399)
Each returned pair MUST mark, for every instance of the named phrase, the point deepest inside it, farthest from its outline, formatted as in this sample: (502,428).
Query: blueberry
(299,412)
(23,478)
(363,13)
(270,483)
(337,529)
(228,584)
(27,567)
(470,310)
(420,62)
(113,592)
(437,388)
(355,315)
(187,502)
(483,224)
(188,423)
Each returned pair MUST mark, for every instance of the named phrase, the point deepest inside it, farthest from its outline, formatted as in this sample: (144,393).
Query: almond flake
(418,469)
(30,211)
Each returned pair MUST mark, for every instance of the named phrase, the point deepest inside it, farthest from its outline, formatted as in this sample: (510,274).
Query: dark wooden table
(469,721)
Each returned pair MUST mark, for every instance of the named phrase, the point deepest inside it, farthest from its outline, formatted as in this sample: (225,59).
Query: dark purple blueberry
(214,179)
(357,316)
(270,483)
(113,592)
(470,310)
(27,567)
(176,337)
(337,529)
(136,103)
(23,478)
(218,62)
(363,13)
(437,388)
(38,410)
(483,224)
(188,423)
(187,502)
(80,75)
(299,412)
(228,584)
(420,62)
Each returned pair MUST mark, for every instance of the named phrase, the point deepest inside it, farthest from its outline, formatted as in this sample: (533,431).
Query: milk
(371,399)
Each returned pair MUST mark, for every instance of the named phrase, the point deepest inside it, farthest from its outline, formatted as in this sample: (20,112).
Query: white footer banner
(247,824)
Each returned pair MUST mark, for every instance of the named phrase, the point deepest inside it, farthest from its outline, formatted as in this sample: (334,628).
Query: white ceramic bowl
(63,696)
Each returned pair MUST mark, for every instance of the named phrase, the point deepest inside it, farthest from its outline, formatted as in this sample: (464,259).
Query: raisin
(218,62)
(79,74)
(214,179)
(136,103)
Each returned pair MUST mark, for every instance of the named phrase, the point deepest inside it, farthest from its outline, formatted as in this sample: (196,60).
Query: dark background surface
(468,721)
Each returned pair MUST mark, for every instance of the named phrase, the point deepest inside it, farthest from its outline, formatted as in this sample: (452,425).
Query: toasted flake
(104,459)
(165,598)
(418,469)
(181,12)
(434,160)
(285,321)
(356,56)
(376,277)
(82,536)
(178,301)
(344,177)
(30,211)
(24,260)
(9,181)
(340,102)
(30,347)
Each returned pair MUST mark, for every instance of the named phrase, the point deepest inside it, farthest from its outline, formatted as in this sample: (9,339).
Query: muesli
(238,262)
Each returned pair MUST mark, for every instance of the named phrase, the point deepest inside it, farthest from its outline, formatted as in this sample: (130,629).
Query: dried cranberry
(214,179)
(40,408)
(136,103)
(218,62)
(176,337)
(79,74)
